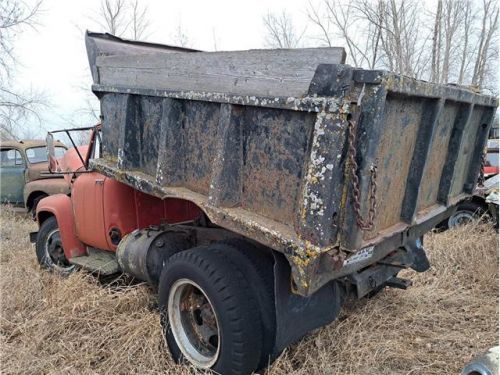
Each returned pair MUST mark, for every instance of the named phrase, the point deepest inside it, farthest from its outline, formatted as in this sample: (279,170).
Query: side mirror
(51,153)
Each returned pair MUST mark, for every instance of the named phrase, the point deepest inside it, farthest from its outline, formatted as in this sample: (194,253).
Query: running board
(98,261)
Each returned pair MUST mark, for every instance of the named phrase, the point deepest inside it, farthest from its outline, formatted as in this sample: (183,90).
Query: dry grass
(78,325)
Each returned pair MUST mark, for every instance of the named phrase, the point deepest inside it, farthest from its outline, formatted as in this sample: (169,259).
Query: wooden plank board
(280,72)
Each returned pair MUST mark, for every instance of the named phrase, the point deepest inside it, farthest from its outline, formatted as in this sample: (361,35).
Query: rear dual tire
(210,312)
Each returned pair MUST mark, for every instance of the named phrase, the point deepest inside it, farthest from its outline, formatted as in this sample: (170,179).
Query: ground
(80,325)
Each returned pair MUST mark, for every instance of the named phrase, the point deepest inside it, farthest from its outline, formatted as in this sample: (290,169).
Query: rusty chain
(363,223)
(481,172)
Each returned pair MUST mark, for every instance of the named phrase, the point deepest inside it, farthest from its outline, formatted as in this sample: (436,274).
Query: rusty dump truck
(259,189)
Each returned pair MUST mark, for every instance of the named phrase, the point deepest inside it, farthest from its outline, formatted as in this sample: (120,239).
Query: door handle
(99,182)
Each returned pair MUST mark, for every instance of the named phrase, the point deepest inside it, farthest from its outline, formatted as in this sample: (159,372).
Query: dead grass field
(77,325)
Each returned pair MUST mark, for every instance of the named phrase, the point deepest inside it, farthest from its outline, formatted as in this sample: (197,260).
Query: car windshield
(39,154)
(492,159)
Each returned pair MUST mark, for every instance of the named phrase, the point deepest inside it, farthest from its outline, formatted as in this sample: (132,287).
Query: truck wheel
(259,266)
(466,212)
(209,313)
(49,250)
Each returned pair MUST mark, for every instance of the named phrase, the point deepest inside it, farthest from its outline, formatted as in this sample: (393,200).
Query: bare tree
(180,37)
(436,42)
(112,16)
(489,24)
(15,111)
(455,42)
(316,16)
(15,107)
(467,20)
(281,31)
(402,37)
(339,15)
(15,15)
(215,39)
(376,33)
(139,23)
(452,15)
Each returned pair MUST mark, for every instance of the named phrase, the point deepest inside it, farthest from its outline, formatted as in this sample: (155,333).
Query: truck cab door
(88,206)
(12,180)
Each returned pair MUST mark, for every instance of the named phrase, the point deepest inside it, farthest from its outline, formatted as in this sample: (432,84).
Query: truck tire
(209,313)
(49,250)
(466,212)
(259,267)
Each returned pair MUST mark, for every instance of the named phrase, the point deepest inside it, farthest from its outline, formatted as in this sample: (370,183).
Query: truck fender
(60,206)
(46,186)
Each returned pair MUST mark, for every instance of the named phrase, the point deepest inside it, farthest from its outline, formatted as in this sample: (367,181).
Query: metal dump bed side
(260,141)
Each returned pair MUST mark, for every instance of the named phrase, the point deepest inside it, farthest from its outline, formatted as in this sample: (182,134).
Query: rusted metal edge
(306,104)
(410,86)
(267,231)
(372,252)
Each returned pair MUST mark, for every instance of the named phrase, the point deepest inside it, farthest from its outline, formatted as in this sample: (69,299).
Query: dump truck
(258,190)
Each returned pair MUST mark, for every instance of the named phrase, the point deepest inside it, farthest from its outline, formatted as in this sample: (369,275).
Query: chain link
(481,172)
(363,223)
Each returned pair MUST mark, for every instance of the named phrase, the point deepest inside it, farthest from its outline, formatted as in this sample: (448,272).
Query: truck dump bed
(274,144)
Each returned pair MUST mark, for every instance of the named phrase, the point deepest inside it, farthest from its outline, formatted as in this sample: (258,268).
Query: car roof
(28,143)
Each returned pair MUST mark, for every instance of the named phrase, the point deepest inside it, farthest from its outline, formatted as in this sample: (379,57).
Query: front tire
(49,250)
(209,313)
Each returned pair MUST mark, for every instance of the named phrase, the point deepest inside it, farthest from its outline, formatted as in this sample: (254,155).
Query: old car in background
(491,167)
(476,206)
(24,175)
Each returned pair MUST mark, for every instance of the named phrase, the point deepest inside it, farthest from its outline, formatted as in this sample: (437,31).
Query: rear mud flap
(420,262)
(297,315)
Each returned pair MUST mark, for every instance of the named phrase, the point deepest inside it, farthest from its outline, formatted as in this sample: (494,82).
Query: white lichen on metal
(306,103)
(120,158)
(313,203)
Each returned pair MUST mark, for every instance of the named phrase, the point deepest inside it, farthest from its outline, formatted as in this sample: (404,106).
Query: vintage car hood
(40,171)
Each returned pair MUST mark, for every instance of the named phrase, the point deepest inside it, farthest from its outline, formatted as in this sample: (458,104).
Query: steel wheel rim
(54,251)
(194,323)
(460,218)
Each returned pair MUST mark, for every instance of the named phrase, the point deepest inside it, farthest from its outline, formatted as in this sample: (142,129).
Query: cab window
(39,154)
(11,158)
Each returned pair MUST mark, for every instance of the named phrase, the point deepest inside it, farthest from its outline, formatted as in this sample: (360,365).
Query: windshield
(492,159)
(39,154)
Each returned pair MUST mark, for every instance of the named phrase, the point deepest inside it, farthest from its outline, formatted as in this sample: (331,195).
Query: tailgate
(426,142)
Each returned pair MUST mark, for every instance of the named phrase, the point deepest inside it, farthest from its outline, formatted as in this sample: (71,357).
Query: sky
(52,58)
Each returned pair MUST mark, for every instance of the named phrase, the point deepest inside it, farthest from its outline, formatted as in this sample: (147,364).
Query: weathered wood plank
(256,72)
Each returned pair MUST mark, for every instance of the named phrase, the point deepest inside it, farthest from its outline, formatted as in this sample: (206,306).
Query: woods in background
(444,41)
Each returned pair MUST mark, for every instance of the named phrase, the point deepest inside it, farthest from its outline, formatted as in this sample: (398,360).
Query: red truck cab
(99,212)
